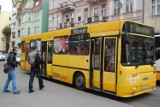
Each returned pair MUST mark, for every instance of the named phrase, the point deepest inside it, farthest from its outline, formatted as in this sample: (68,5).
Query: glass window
(79,44)
(97,58)
(23,47)
(109,62)
(156,7)
(50,53)
(137,50)
(61,45)
(104,10)
(116,8)
(129,7)
(157,48)
(85,13)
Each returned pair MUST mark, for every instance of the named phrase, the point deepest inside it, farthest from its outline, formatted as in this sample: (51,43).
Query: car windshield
(137,50)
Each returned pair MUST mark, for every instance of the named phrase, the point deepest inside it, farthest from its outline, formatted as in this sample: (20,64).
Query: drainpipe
(143,11)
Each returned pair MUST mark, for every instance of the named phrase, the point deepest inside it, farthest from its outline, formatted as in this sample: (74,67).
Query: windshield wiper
(137,65)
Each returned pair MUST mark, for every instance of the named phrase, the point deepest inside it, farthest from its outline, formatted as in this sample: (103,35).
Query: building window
(35,30)
(129,5)
(28,31)
(19,33)
(23,18)
(85,13)
(54,4)
(58,20)
(29,17)
(79,15)
(22,31)
(104,10)
(116,8)
(79,44)
(53,21)
(156,7)
(95,11)
(95,14)
(35,16)
(61,45)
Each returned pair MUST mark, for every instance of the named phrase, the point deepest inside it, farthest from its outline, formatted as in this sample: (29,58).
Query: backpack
(38,59)
(31,59)
(6,68)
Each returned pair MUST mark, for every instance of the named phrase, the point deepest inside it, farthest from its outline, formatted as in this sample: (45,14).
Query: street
(58,94)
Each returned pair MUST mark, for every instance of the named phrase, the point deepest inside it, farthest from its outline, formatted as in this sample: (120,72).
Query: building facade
(68,13)
(5,20)
(152,14)
(13,26)
(32,18)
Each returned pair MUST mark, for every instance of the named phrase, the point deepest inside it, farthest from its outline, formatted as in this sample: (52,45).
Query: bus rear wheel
(79,81)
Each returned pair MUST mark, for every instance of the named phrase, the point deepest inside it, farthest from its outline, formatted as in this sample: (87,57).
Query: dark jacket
(11,60)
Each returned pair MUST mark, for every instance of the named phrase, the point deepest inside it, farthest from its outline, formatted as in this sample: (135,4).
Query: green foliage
(23,2)
(6,31)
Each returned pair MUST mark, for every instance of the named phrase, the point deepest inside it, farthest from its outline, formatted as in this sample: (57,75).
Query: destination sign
(138,28)
(79,30)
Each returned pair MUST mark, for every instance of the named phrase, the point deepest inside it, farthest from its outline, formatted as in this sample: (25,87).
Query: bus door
(49,58)
(96,72)
(109,64)
(44,56)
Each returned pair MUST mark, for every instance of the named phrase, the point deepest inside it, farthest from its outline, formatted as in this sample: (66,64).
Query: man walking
(11,61)
(34,60)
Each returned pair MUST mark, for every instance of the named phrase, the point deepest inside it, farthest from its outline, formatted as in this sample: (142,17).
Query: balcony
(92,1)
(95,19)
(69,5)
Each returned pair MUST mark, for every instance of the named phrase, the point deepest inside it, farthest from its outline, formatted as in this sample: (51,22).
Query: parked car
(2,57)
(18,58)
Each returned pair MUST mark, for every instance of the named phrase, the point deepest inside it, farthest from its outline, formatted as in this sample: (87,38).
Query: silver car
(2,57)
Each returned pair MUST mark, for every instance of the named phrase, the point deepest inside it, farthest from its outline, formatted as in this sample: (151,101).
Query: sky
(6,5)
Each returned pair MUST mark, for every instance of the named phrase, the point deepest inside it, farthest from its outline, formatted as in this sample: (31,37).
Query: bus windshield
(137,50)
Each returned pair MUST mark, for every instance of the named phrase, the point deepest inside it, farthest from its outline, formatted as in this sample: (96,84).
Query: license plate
(145,87)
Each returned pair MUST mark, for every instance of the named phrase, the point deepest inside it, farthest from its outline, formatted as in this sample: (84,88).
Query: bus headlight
(153,85)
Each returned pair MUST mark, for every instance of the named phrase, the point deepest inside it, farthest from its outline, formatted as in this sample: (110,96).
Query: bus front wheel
(79,81)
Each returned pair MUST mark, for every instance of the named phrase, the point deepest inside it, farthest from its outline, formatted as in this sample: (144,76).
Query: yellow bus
(112,57)
(157,45)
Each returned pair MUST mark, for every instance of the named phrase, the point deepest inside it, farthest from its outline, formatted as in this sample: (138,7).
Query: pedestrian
(35,60)
(11,61)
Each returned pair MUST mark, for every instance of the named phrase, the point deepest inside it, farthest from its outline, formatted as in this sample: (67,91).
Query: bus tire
(79,81)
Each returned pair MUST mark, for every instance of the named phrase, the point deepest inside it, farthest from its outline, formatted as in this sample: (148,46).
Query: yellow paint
(64,67)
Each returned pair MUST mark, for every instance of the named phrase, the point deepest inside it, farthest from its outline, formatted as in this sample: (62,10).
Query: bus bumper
(137,89)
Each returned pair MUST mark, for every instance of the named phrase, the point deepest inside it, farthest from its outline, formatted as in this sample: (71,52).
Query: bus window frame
(134,34)
(88,44)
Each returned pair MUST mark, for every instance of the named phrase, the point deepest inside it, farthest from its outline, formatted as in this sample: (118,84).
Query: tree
(7,34)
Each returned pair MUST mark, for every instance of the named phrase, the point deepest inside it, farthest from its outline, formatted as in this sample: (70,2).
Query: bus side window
(23,47)
(109,55)
(50,53)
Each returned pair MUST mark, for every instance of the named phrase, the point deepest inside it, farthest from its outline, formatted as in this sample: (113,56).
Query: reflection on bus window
(23,47)
(138,50)
(79,44)
(157,39)
(50,53)
(97,61)
(110,55)
(61,45)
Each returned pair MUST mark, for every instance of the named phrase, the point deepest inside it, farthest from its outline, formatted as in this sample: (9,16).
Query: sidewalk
(53,95)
